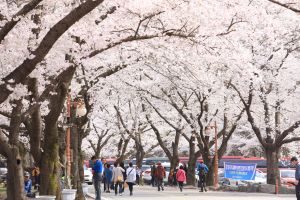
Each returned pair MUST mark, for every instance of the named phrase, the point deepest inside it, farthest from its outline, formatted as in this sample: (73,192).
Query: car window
(259,175)
(287,173)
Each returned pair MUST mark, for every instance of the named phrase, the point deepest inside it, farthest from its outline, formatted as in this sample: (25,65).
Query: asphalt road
(151,193)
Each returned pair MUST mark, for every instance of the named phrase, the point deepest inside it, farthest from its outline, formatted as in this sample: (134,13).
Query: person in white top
(131,177)
(117,178)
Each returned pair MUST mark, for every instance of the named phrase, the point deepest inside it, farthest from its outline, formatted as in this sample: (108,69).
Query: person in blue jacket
(202,170)
(27,183)
(97,176)
(108,177)
(295,163)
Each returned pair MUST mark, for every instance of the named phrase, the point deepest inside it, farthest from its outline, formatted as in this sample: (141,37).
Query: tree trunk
(15,180)
(208,161)
(192,162)
(174,161)
(75,176)
(80,167)
(140,154)
(50,169)
(272,164)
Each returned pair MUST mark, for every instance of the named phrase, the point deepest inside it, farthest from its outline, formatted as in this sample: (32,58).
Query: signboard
(239,171)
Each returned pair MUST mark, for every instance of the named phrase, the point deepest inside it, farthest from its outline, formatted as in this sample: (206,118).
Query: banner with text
(239,171)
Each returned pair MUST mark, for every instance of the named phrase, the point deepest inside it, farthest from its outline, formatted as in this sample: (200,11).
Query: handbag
(120,178)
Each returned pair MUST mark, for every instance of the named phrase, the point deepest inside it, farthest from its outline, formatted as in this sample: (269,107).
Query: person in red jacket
(160,173)
(181,177)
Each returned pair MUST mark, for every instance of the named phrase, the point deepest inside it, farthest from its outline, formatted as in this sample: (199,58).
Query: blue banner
(239,171)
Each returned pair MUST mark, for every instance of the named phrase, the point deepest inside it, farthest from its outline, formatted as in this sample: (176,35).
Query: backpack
(201,171)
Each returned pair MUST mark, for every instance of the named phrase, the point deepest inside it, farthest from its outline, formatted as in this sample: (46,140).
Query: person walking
(36,176)
(153,169)
(138,175)
(117,178)
(181,177)
(202,170)
(160,173)
(124,175)
(294,162)
(131,177)
(103,161)
(97,176)
(108,177)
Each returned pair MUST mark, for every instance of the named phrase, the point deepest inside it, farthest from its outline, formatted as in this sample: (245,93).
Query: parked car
(88,176)
(287,177)
(146,174)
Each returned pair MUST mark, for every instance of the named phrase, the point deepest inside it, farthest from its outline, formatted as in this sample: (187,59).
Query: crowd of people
(117,177)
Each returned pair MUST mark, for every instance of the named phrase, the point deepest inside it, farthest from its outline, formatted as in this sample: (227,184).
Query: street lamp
(216,161)
(80,111)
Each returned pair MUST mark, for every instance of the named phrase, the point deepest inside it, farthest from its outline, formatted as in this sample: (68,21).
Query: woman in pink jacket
(181,177)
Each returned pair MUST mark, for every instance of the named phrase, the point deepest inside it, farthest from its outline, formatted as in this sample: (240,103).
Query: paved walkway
(150,193)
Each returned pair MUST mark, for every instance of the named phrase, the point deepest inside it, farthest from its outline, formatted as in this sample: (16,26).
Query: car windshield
(287,174)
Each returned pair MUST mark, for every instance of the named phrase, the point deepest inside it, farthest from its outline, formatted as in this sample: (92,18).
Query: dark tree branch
(17,17)
(286,6)
(137,38)
(248,111)
(160,115)
(158,136)
(286,141)
(286,132)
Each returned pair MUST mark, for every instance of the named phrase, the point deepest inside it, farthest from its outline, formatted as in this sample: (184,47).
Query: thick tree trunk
(35,126)
(80,168)
(192,162)
(272,164)
(15,180)
(174,161)
(191,170)
(208,161)
(210,175)
(50,169)
(75,176)
(140,154)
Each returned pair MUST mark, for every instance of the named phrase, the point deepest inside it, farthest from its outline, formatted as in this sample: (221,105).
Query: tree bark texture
(50,169)
(15,179)
(272,164)
(193,156)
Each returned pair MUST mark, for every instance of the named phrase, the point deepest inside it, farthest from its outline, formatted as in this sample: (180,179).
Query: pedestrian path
(173,193)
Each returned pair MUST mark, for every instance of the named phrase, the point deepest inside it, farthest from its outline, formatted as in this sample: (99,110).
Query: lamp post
(80,111)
